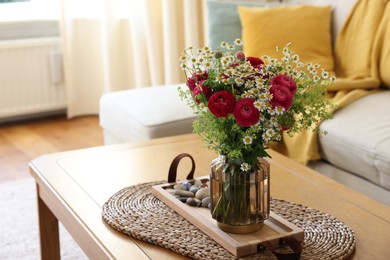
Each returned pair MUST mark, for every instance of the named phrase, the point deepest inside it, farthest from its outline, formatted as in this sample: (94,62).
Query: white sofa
(356,151)
(145,113)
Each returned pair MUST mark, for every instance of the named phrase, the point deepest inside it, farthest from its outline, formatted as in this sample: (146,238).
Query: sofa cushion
(340,10)
(223,21)
(145,113)
(264,29)
(358,138)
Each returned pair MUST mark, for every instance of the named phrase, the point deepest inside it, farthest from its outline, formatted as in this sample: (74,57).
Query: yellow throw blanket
(356,72)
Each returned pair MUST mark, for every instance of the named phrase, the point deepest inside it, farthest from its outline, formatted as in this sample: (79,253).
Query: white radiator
(30,77)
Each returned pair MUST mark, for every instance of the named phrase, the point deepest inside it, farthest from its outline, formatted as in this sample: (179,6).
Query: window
(12,1)
(26,10)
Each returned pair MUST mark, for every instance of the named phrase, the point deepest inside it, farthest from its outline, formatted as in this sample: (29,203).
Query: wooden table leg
(49,233)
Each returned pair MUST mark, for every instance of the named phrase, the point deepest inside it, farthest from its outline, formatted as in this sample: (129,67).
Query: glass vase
(240,201)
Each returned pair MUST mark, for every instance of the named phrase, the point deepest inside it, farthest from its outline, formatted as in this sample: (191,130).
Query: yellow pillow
(384,42)
(308,28)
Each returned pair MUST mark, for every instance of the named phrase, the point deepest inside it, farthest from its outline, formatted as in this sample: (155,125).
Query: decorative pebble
(194,202)
(191,202)
(198,183)
(206,202)
(202,193)
(179,186)
(197,195)
(187,185)
(182,199)
(184,193)
(194,188)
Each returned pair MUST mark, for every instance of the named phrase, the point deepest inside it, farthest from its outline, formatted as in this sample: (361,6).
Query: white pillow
(341,10)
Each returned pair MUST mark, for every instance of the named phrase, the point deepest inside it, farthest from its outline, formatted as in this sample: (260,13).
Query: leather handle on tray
(175,163)
(291,242)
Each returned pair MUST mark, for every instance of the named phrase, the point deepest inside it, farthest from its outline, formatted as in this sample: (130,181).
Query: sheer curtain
(111,45)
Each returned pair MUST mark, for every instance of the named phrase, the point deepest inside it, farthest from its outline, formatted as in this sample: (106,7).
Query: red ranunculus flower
(286,81)
(222,103)
(255,62)
(191,82)
(201,88)
(283,89)
(245,113)
(281,96)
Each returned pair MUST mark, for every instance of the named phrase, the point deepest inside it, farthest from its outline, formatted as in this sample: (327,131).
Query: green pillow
(224,22)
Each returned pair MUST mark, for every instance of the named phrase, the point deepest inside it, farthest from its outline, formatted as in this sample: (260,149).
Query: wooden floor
(23,141)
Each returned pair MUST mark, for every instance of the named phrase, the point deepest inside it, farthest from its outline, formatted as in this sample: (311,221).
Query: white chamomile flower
(201,59)
(207,65)
(294,73)
(219,78)
(247,140)
(248,84)
(260,105)
(261,119)
(245,167)
(238,42)
(229,72)
(274,121)
(247,94)
(270,132)
(224,44)
(255,92)
(265,57)
(239,81)
(224,61)
(279,110)
(286,51)
(183,58)
(266,96)
(324,74)
(295,58)
(259,81)
(183,66)
(235,72)
(266,138)
(278,137)
(230,47)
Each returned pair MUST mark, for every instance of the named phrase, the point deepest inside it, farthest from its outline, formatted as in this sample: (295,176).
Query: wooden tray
(274,230)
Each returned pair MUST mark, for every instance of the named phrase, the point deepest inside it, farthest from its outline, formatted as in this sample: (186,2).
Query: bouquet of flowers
(245,103)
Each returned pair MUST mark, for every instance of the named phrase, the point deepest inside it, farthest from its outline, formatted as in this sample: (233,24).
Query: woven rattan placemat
(137,213)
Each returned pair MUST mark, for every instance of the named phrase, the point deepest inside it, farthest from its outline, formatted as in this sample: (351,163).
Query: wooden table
(72,187)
